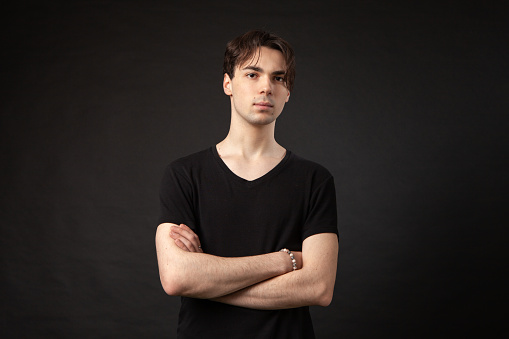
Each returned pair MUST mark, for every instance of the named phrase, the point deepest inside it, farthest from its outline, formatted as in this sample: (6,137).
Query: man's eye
(280,79)
(251,75)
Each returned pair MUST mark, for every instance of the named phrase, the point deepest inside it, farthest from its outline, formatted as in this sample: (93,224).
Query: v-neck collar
(249,183)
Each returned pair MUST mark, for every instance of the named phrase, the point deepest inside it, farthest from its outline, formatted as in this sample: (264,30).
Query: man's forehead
(266,53)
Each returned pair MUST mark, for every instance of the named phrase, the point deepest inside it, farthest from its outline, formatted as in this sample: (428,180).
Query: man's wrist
(292,258)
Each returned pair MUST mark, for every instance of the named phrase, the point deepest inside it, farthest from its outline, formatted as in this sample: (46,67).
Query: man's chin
(263,119)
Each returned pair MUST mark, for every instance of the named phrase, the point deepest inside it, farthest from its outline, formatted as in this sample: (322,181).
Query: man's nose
(265,85)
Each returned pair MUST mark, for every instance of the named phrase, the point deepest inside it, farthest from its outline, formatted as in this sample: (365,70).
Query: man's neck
(253,142)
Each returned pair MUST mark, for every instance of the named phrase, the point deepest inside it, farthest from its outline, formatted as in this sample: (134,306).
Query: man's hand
(185,238)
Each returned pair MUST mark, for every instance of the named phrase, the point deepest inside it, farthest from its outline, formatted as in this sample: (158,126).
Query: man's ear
(287,96)
(227,84)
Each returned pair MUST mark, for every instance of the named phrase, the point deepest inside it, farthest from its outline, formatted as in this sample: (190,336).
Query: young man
(228,211)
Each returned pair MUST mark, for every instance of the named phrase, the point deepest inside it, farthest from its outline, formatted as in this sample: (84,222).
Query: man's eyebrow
(258,69)
(253,68)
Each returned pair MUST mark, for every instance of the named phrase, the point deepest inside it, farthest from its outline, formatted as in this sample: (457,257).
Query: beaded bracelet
(294,262)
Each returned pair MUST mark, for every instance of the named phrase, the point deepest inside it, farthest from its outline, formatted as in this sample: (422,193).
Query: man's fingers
(188,244)
(189,235)
(193,235)
(181,245)
(186,238)
(183,231)
(178,239)
(185,227)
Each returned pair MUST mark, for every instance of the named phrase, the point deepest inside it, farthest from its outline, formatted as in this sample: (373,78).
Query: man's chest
(238,221)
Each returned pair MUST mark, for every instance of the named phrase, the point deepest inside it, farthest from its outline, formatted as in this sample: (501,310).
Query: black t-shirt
(235,217)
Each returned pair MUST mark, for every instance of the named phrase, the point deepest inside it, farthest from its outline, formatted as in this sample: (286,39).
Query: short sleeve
(176,197)
(322,213)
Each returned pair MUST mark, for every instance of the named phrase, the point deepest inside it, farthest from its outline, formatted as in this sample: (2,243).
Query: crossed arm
(260,282)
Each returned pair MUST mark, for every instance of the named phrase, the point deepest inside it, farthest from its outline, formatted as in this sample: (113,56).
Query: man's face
(257,90)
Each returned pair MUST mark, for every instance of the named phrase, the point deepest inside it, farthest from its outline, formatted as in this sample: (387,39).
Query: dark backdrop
(403,103)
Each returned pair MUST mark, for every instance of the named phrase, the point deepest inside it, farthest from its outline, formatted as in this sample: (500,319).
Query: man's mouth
(263,104)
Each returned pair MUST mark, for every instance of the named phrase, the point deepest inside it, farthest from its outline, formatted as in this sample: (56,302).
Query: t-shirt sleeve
(176,197)
(322,212)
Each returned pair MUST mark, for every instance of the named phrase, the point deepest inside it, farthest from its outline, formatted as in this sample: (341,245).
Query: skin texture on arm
(313,284)
(200,275)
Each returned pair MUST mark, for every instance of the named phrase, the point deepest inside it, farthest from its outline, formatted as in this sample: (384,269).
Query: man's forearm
(202,275)
(285,291)
(311,285)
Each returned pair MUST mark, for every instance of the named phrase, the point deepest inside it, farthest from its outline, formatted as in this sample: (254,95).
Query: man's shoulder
(309,167)
(193,158)
(190,163)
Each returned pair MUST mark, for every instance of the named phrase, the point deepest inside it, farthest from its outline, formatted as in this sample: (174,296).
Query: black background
(404,103)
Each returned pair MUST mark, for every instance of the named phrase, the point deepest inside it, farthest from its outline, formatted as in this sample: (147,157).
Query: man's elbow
(323,295)
(171,290)
(171,280)
(171,285)
(178,285)
(325,300)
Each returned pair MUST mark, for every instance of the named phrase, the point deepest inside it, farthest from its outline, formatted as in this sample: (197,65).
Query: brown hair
(242,48)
